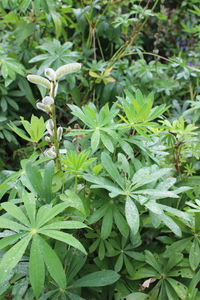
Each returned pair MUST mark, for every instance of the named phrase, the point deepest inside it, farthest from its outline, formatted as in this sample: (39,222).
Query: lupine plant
(85,205)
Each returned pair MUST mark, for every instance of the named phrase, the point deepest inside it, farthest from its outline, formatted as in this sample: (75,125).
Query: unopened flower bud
(50,74)
(50,126)
(39,80)
(59,133)
(47,138)
(42,107)
(48,100)
(67,69)
(51,152)
(55,89)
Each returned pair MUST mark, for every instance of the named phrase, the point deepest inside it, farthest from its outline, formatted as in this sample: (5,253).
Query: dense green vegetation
(99,129)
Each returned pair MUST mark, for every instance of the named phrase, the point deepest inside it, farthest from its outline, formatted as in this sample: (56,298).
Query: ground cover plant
(100,150)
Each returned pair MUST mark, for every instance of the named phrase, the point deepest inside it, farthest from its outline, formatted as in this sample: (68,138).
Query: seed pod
(50,74)
(50,126)
(67,69)
(48,100)
(59,133)
(39,80)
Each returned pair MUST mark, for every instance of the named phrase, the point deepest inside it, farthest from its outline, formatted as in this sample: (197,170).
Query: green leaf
(194,255)
(106,140)
(12,257)
(119,262)
(170,224)
(136,296)
(16,212)
(8,224)
(100,278)
(121,223)
(132,215)
(53,263)
(11,239)
(36,267)
(95,139)
(30,206)
(148,175)
(174,261)
(112,169)
(107,224)
(46,213)
(193,285)
(35,178)
(100,182)
(179,288)
(65,225)
(152,261)
(178,246)
(47,181)
(144,272)
(19,132)
(73,200)
(64,237)
(98,214)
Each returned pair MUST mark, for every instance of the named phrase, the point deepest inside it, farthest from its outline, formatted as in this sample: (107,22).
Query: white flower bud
(59,133)
(50,74)
(67,69)
(39,80)
(50,126)
(51,152)
(42,107)
(46,108)
(48,100)
(55,89)
(47,138)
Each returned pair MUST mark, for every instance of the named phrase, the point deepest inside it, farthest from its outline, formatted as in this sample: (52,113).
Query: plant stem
(55,137)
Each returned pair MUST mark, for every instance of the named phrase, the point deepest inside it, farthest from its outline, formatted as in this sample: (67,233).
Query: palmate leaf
(12,257)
